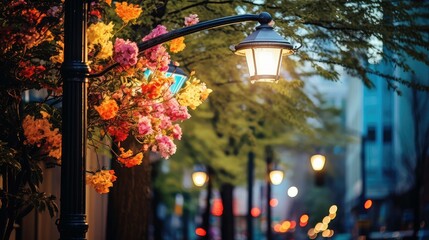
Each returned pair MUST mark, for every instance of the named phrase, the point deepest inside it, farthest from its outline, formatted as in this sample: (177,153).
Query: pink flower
(191,20)
(159,30)
(145,125)
(165,122)
(175,111)
(125,52)
(166,146)
(177,132)
(158,58)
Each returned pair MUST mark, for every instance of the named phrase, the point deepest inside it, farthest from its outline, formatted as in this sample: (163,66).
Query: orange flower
(128,159)
(177,45)
(127,11)
(108,109)
(41,133)
(109,2)
(101,180)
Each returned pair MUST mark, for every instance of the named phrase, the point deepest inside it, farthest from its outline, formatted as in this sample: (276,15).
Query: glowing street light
(276,176)
(317,162)
(199,178)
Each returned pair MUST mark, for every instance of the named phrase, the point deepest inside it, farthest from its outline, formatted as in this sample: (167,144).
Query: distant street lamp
(276,176)
(317,163)
(200,177)
(75,70)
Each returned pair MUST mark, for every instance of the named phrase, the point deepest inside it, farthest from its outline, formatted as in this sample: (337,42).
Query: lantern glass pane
(250,62)
(267,60)
(179,80)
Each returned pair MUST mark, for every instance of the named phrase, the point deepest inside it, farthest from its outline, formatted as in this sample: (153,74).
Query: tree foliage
(331,35)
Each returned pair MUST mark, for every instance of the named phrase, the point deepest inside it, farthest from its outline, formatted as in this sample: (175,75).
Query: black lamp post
(269,161)
(199,178)
(250,174)
(75,72)
(273,176)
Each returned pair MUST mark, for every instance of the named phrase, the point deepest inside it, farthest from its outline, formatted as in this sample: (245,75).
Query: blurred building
(392,126)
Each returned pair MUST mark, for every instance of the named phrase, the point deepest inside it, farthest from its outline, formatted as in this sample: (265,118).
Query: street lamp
(276,176)
(75,73)
(317,163)
(200,177)
(264,49)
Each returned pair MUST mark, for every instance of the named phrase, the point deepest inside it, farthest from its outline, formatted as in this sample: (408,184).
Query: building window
(387,134)
(371,133)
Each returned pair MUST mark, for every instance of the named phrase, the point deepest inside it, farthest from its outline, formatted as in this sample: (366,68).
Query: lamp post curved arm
(262,18)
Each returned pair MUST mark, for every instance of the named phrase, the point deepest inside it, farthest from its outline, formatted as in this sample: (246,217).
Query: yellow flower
(40,132)
(193,94)
(177,45)
(107,109)
(106,51)
(59,58)
(127,12)
(99,33)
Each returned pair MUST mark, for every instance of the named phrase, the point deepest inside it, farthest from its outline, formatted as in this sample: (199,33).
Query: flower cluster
(101,180)
(191,20)
(125,52)
(135,104)
(132,102)
(40,133)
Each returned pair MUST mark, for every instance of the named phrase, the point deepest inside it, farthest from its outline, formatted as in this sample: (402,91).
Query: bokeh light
(303,220)
(274,202)
(200,232)
(326,220)
(333,209)
(292,191)
(255,212)
(368,204)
